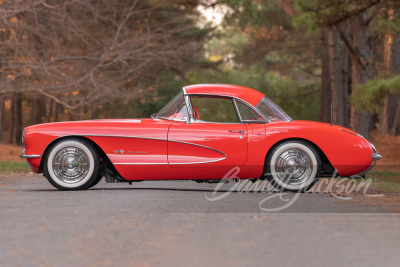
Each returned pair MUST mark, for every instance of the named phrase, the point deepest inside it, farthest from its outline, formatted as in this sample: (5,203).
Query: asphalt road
(174,224)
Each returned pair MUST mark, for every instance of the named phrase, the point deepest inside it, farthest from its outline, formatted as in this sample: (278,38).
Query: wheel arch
(104,158)
(326,164)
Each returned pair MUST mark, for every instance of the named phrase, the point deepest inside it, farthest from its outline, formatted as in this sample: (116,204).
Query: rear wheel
(293,166)
(72,164)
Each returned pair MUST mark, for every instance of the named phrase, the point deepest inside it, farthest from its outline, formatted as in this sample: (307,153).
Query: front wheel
(293,166)
(71,164)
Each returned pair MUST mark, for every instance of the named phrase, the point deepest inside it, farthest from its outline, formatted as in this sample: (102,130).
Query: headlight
(23,137)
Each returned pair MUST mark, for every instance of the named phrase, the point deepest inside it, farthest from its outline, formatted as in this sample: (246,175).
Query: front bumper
(25,156)
(375,157)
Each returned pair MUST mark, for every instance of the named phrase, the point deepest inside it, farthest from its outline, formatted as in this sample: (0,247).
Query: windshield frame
(190,116)
(169,105)
(275,106)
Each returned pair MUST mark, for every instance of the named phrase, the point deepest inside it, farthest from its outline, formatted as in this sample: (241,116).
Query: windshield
(272,111)
(175,109)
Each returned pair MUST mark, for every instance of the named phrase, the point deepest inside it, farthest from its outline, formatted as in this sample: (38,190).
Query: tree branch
(353,50)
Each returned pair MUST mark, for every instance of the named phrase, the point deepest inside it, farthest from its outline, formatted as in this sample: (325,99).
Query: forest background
(77,59)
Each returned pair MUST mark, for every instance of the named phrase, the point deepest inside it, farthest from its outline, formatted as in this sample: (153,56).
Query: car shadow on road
(147,188)
(172,189)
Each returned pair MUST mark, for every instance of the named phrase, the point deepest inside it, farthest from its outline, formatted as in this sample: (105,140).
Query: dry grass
(10,152)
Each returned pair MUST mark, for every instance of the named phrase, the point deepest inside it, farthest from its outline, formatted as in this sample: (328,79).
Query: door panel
(207,144)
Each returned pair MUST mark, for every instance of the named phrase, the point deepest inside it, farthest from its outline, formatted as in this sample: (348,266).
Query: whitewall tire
(71,164)
(293,166)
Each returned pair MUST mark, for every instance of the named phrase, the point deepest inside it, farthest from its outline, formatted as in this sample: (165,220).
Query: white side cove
(224,156)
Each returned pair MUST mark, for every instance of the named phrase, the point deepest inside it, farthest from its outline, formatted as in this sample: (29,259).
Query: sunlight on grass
(13,166)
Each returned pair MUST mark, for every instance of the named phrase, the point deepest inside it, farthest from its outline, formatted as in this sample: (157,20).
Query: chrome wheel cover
(71,165)
(293,166)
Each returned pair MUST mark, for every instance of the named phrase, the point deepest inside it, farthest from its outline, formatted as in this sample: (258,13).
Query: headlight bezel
(373,147)
(23,138)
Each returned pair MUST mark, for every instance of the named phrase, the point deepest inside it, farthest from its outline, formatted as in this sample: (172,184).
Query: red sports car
(201,134)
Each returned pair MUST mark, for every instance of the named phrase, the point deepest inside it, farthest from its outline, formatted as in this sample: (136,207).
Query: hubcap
(293,166)
(71,165)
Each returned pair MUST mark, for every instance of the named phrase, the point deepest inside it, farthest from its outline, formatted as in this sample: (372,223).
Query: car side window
(213,109)
(248,114)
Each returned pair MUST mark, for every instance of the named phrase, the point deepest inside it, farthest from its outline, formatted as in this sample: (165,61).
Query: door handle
(236,131)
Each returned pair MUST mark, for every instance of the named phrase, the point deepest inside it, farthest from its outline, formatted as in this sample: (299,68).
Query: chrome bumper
(376,157)
(24,156)
(369,168)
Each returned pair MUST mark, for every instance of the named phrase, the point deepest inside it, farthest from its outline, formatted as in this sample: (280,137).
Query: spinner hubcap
(293,166)
(71,165)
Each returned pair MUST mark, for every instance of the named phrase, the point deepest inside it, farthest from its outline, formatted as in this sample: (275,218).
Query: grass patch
(13,166)
(385,181)
(384,174)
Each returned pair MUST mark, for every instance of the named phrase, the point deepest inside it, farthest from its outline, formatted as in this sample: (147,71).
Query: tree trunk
(345,84)
(18,118)
(396,123)
(360,120)
(324,111)
(50,113)
(388,107)
(57,111)
(2,124)
(336,81)
(395,66)
(38,107)
(11,133)
(387,113)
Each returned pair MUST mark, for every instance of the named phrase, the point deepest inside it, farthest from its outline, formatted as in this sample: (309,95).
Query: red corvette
(201,134)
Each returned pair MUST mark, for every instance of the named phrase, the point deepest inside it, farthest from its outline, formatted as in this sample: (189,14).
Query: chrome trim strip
(237,110)
(255,110)
(373,147)
(142,163)
(168,119)
(198,162)
(356,134)
(188,107)
(23,138)
(24,156)
(236,98)
(182,163)
(215,122)
(266,116)
(367,170)
(163,118)
(376,157)
(122,136)
(176,141)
